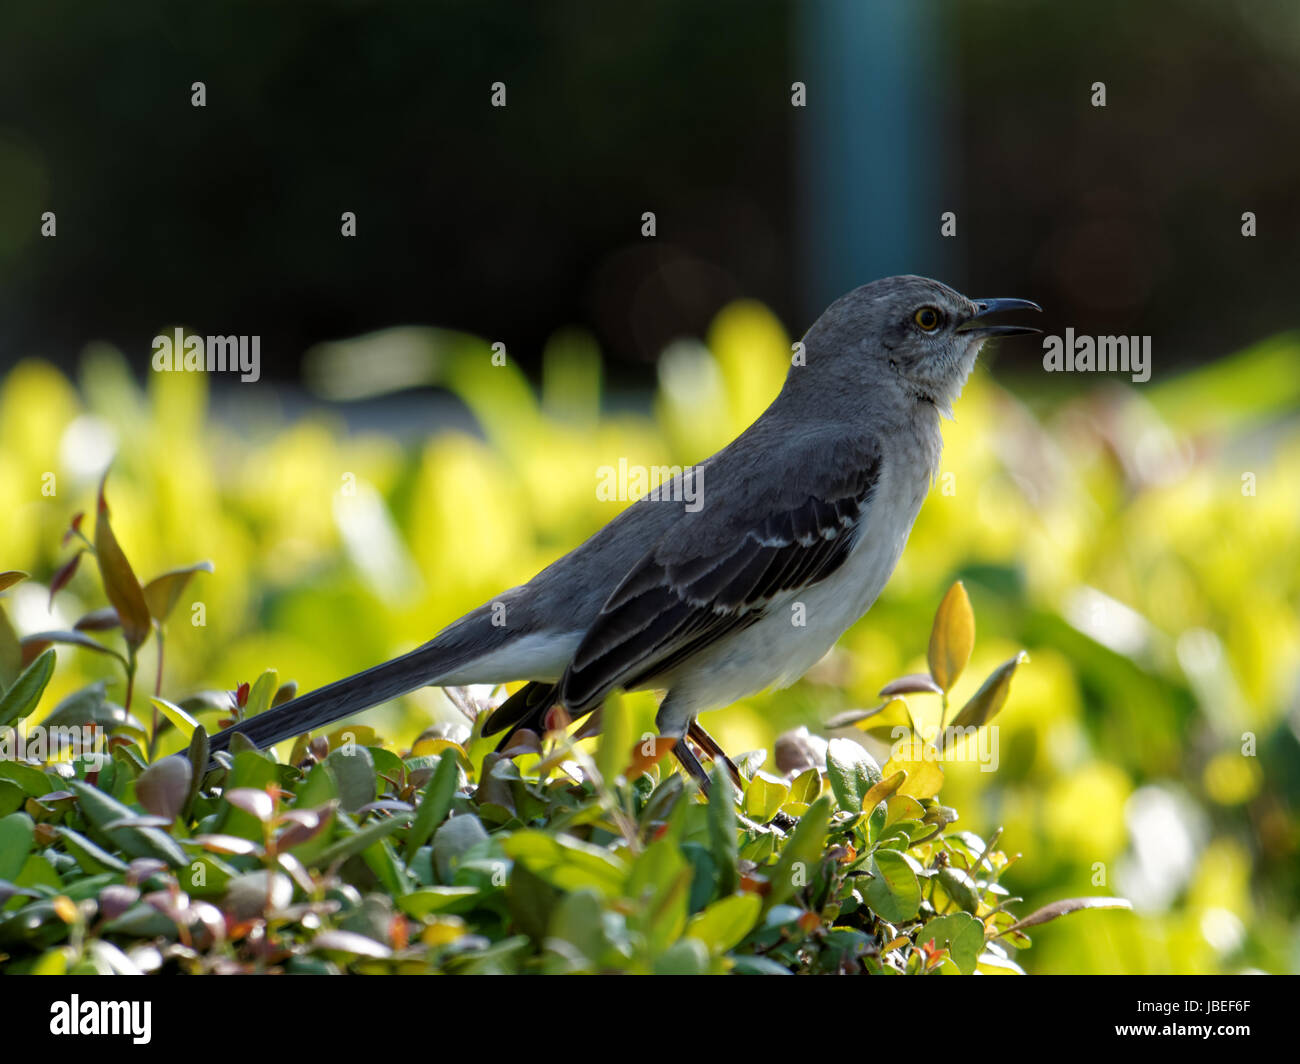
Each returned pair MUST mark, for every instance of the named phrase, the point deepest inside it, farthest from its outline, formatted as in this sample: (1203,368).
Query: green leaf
(893,892)
(76,639)
(1064,907)
(453,840)
(120,584)
(33,781)
(21,698)
(987,701)
(263,691)
(17,834)
(952,638)
(612,753)
(101,809)
(565,862)
(852,771)
(659,885)
(724,923)
(354,769)
(806,788)
(684,957)
(253,770)
(801,854)
(960,934)
(343,848)
(87,705)
(723,839)
(198,752)
(92,857)
(163,592)
(429,900)
(435,803)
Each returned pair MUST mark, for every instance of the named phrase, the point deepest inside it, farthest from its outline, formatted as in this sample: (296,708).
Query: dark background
(514,222)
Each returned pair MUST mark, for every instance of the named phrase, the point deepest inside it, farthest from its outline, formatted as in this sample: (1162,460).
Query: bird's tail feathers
(343,698)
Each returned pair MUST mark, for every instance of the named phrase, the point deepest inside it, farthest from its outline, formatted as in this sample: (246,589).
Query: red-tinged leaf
(524,741)
(350,942)
(10,577)
(305,824)
(557,719)
(143,867)
(648,753)
(163,592)
(163,787)
(120,584)
(916,683)
(297,872)
(100,620)
(1064,907)
(75,527)
(256,803)
(115,899)
(228,844)
(66,572)
(241,695)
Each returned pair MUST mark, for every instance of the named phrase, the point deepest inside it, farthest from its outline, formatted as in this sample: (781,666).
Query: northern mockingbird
(792,532)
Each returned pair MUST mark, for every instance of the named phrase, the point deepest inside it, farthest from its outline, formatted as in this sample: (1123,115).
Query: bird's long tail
(345,697)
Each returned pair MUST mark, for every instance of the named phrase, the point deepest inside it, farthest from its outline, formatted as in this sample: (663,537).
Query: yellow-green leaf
(182,721)
(924,776)
(163,592)
(952,637)
(724,923)
(615,738)
(765,795)
(807,787)
(882,790)
(902,807)
(891,722)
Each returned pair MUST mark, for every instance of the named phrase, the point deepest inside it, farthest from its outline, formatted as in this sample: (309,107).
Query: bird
(736,580)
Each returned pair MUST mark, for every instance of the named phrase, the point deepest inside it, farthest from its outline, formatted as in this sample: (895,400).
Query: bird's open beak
(978,322)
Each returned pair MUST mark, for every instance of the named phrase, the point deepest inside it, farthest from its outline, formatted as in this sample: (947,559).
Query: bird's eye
(927,318)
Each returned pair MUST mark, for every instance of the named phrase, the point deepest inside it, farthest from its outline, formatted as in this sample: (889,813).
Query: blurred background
(383,475)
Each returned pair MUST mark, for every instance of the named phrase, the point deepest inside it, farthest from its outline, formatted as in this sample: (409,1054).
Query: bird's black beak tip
(984,308)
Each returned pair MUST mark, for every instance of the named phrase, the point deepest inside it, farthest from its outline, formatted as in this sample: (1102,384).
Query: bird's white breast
(800,627)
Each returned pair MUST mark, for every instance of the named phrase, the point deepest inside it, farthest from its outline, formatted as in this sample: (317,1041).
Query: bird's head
(910,334)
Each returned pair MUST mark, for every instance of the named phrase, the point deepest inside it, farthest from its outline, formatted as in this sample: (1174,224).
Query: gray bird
(740,579)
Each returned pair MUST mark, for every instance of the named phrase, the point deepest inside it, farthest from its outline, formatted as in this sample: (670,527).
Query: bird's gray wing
(718,570)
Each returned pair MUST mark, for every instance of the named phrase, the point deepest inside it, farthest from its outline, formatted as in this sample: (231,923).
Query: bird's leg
(687,759)
(710,746)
